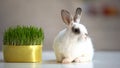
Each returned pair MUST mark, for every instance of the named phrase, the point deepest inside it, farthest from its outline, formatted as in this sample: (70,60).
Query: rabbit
(73,44)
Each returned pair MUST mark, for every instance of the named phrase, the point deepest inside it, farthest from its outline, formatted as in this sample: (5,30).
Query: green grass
(23,35)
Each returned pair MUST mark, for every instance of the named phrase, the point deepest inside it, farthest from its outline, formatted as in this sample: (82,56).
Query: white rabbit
(73,43)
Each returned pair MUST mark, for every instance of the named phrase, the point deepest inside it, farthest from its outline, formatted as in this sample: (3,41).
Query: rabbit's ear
(66,16)
(77,15)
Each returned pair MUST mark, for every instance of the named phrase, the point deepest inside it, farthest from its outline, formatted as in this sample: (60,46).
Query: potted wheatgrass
(23,44)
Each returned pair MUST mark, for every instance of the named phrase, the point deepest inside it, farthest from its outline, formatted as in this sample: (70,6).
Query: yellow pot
(23,53)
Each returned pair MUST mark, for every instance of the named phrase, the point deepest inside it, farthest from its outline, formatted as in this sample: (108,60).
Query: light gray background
(104,31)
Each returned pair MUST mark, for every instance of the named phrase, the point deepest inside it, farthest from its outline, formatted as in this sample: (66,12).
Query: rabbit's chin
(80,37)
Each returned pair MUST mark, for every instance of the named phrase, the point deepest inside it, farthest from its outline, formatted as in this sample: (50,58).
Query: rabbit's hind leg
(59,57)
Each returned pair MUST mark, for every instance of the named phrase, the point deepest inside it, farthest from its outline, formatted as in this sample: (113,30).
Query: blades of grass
(23,35)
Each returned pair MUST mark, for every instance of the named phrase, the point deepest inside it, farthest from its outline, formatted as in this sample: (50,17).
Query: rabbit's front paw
(82,59)
(66,60)
(77,60)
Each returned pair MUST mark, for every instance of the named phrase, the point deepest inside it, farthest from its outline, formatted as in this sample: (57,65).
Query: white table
(101,60)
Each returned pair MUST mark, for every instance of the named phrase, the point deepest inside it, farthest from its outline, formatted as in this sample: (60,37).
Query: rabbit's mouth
(75,30)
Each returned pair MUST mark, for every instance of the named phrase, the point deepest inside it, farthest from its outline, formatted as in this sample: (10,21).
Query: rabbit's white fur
(70,47)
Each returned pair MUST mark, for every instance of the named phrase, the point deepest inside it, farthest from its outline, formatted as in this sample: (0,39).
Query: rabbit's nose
(76,30)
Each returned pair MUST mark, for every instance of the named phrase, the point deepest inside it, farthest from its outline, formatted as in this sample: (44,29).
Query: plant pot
(23,53)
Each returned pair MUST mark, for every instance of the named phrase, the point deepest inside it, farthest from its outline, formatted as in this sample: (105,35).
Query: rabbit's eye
(76,30)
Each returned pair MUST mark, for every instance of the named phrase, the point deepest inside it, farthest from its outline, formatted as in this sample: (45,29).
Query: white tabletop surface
(101,60)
